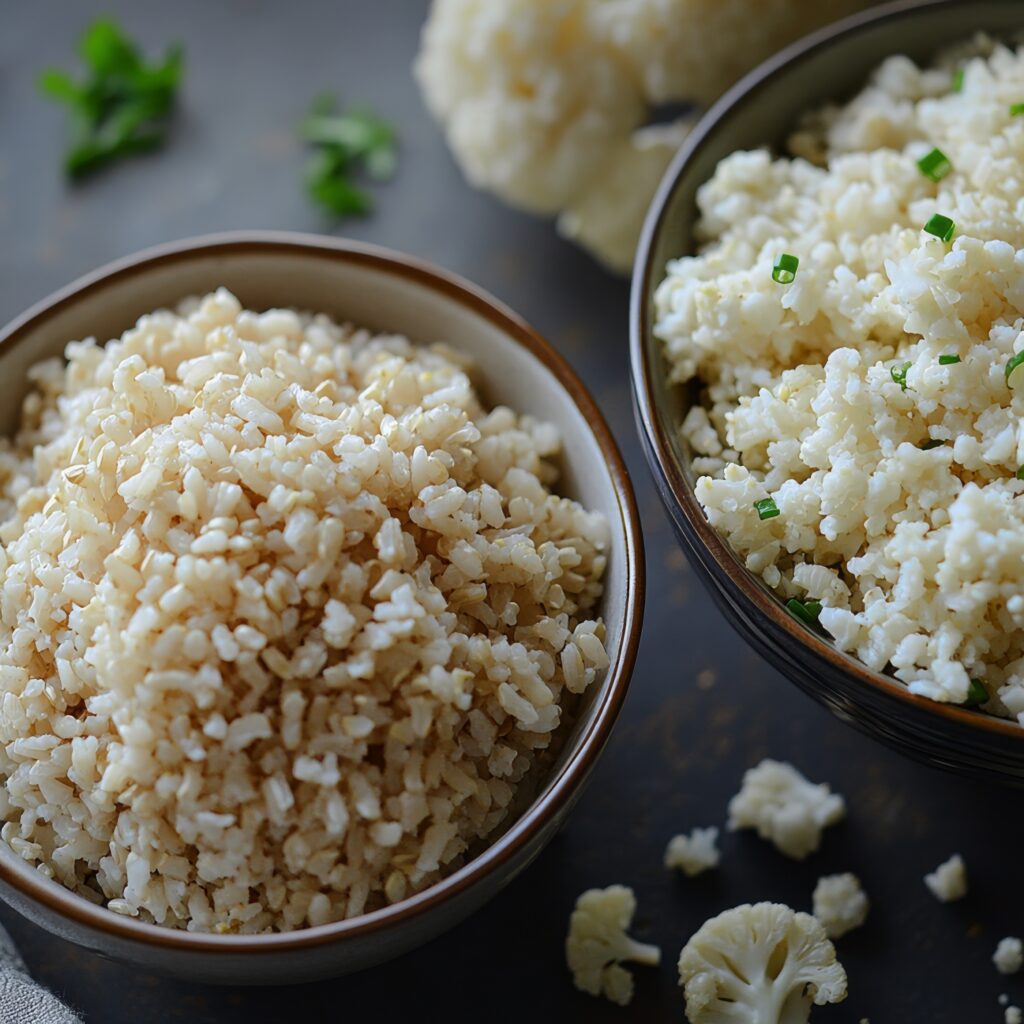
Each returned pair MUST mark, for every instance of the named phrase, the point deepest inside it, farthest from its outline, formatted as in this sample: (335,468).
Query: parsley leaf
(345,144)
(122,105)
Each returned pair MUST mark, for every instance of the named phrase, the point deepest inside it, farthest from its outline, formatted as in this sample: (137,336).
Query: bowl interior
(383,292)
(761,111)
(754,116)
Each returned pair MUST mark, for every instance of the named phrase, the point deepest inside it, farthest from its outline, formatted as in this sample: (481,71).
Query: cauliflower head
(694,853)
(548,103)
(785,808)
(759,964)
(840,904)
(597,943)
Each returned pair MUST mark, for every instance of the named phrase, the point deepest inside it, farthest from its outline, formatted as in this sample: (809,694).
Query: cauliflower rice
(286,617)
(900,507)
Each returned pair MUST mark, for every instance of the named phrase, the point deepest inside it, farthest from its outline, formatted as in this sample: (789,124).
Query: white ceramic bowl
(384,291)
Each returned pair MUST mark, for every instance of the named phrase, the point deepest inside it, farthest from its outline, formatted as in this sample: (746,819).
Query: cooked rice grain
(285,617)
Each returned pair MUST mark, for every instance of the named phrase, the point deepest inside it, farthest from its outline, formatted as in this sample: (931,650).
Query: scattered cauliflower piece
(1009,955)
(785,808)
(1013,1015)
(597,943)
(948,881)
(840,904)
(546,102)
(760,964)
(694,853)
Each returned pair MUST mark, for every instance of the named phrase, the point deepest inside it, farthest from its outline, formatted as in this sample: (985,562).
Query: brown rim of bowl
(591,741)
(743,586)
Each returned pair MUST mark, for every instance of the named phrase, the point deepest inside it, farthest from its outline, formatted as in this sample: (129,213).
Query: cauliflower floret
(532,98)
(597,943)
(840,904)
(546,102)
(605,217)
(785,808)
(1013,1015)
(948,881)
(694,853)
(760,964)
(1009,955)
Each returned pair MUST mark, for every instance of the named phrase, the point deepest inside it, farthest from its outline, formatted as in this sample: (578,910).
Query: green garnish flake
(932,443)
(941,227)
(1016,109)
(1020,473)
(958,80)
(766,508)
(948,360)
(1011,364)
(899,375)
(976,694)
(123,104)
(935,165)
(346,143)
(784,270)
(805,611)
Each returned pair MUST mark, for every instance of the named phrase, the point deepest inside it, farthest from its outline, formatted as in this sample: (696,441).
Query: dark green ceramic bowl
(761,110)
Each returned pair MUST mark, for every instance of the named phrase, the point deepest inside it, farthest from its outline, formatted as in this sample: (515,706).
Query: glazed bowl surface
(760,111)
(386,292)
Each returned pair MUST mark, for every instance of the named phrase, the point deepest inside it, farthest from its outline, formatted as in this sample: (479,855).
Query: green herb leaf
(941,227)
(1011,364)
(948,360)
(1020,473)
(805,611)
(957,83)
(976,694)
(935,165)
(766,508)
(899,374)
(784,271)
(347,143)
(123,104)
(1016,109)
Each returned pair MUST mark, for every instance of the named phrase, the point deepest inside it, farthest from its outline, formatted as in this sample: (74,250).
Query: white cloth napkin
(22,1001)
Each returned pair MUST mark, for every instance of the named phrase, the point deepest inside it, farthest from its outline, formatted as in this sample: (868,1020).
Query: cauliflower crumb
(694,853)
(764,962)
(1013,1015)
(785,808)
(840,904)
(1009,955)
(948,881)
(597,943)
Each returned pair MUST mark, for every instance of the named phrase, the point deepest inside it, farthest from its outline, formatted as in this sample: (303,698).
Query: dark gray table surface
(682,744)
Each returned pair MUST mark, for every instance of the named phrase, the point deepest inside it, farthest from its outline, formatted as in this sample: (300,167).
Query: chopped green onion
(784,270)
(948,360)
(805,611)
(976,694)
(899,375)
(1012,363)
(958,80)
(1016,109)
(1020,473)
(766,508)
(933,443)
(935,165)
(941,227)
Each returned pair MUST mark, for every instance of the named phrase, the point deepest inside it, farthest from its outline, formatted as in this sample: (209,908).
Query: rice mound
(900,506)
(286,617)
